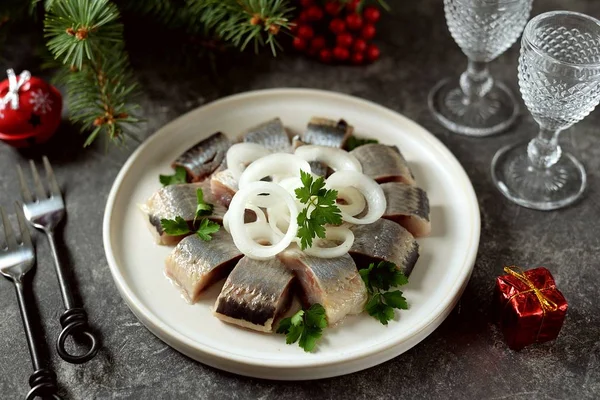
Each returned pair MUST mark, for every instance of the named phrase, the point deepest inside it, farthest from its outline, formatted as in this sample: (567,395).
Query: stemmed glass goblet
(475,104)
(559,77)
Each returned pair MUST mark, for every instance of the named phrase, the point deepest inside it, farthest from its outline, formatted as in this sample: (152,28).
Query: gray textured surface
(464,358)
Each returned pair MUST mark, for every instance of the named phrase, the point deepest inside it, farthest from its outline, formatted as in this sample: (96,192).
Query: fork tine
(25,234)
(54,188)
(40,192)
(11,241)
(25,193)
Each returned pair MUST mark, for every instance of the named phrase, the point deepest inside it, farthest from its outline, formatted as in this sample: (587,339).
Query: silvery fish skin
(408,206)
(203,158)
(255,294)
(384,163)
(317,168)
(327,132)
(195,264)
(332,282)
(271,134)
(224,186)
(384,240)
(174,201)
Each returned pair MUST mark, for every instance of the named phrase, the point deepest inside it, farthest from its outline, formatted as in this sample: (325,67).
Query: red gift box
(528,306)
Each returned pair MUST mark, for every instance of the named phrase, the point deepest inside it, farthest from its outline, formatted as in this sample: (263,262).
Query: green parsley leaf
(304,327)
(396,300)
(384,275)
(202,208)
(321,209)
(376,308)
(175,227)
(354,142)
(180,176)
(207,227)
(378,279)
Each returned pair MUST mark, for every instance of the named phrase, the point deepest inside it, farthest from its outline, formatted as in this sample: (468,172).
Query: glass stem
(544,151)
(476,81)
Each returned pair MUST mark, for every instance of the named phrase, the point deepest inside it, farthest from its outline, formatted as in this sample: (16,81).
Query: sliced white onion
(278,165)
(355,200)
(335,233)
(279,218)
(240,155)
(370,189)
(336,159)
(239,232)
(260,216)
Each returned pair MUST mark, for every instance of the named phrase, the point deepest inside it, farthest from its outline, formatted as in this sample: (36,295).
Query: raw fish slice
(384,163)
(203,158)
(223,186)
(255,294)
(271,134)
(409,206)
(333,282)
(174,201)
(196,264)
(384,240)
(316,167)
(327,132)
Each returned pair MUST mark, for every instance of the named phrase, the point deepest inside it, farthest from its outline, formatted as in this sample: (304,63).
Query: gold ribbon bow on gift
(547,304)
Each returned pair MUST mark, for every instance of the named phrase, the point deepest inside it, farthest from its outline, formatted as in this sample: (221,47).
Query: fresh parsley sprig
(321,209)
(304,327)
(180,176)
(354,142)
(179,226)
(379,279)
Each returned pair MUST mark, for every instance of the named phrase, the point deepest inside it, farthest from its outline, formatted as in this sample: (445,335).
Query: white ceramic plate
(359,342)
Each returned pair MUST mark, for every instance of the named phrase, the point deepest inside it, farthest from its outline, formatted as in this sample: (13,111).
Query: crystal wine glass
(475,104)
(559,76)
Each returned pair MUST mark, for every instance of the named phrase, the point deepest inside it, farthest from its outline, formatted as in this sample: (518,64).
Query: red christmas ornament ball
(299,43)
(306,3)
(36,116)
(360,45)
(325,56)
(372,52)
(352,5)
(371,14)
(341,53)
(305,32)
(332,7)
(314,13)
(357,58)
(317,43)
(344,40)
(368,32)
(354,22)
(337,26)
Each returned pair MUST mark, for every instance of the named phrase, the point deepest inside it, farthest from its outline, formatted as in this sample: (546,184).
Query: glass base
(493,113)
(540,189)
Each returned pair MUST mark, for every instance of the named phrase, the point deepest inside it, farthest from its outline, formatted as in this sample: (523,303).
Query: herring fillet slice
(327,132)
(384,240)
(174,201)
(408,206)
(203,158)
(270,134)
(383,163)
(195,264)
(255,294)
(223,186)
(333,282)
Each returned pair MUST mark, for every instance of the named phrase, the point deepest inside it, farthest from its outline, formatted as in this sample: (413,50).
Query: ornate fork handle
(74,320)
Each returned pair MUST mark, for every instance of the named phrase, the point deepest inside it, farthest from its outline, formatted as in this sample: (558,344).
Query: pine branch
(86,37)
(243,21)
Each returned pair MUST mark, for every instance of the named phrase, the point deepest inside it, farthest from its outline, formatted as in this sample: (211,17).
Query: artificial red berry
(337,26)
(306,3)
(303,17)
(354,22)
(341,53)
(314,13)
(372,52)
(305,32)
(352,5)
(332,7)
(357,58)
(368,32)
(371,14)
(317,43)
(299,43)
(325,56)
(344,40)
(360,45)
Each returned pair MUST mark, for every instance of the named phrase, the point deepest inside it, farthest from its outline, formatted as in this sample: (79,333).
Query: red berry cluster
(336,32)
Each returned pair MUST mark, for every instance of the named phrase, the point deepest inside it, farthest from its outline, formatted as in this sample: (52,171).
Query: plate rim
(178,340)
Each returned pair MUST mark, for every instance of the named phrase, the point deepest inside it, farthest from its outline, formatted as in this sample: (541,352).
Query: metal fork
(45,212)
(17,259)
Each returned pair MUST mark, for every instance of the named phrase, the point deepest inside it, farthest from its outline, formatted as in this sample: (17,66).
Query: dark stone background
(464,358)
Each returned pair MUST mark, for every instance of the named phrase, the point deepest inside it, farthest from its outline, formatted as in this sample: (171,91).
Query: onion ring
(370,189)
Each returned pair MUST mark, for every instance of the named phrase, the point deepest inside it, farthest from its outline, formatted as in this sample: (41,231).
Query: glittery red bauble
(354,22)
(344,40)
(371,14)
(341,53)
(314,13)
(337,26)
(368,32)
(36,117)
(360,45)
